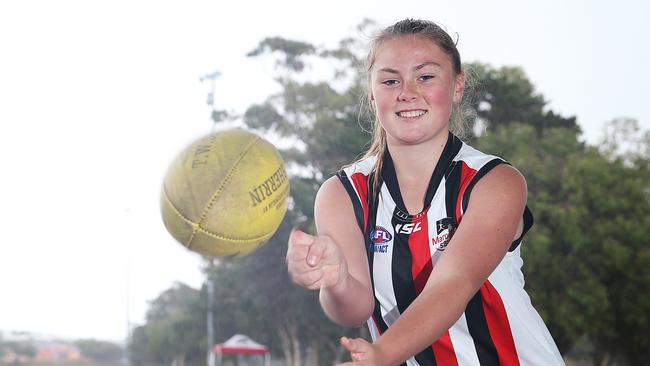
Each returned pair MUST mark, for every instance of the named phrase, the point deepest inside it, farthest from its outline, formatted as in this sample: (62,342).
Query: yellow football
(225,194)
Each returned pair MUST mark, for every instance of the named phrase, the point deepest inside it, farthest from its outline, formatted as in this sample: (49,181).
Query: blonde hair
(460,111)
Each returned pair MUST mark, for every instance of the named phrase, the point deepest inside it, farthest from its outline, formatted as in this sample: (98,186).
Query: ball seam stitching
(207,232)
(217,193)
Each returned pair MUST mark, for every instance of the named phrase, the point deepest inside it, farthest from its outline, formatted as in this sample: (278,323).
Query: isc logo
(408,228)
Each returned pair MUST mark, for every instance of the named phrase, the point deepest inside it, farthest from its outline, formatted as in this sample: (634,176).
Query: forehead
(407,51)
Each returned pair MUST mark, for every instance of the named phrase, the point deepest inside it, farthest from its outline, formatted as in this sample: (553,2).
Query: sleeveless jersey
(499,325)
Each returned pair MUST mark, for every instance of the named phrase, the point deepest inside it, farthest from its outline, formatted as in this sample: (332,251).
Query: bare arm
(334,260)
(479,244)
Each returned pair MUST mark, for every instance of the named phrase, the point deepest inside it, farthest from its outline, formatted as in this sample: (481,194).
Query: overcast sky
(97,97)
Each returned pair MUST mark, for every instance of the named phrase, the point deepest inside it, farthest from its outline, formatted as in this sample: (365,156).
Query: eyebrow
(416,68)
(389,70)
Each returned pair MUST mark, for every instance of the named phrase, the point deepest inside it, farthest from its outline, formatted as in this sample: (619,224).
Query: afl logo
(380,235)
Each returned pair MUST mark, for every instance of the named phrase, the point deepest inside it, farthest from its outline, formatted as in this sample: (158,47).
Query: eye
(390,82)
(426,77)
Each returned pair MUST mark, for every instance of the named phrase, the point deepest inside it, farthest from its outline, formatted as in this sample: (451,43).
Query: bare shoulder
(502,182)
(498,199)
(333,208)
(332,189)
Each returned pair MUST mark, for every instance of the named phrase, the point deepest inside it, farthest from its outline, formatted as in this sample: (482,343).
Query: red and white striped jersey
(499,325)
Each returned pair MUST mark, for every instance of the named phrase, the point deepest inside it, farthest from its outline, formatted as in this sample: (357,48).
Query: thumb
(316,251)
(350,344)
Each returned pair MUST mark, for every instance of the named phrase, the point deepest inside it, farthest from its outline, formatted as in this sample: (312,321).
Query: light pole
(210,316)
(211,77)
(127,345)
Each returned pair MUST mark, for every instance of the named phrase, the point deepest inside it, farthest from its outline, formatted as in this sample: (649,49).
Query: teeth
(411,114)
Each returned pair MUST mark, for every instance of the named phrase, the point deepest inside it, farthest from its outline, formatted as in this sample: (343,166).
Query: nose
(408,92)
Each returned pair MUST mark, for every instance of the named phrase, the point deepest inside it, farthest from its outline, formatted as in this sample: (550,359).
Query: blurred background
(96,98)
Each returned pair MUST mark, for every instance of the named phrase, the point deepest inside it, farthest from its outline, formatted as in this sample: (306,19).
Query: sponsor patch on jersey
(444,223)
(379,239)
(412,227)
(380,235)
(445,228)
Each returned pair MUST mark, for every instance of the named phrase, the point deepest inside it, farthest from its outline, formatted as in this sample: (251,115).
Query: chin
(409,138)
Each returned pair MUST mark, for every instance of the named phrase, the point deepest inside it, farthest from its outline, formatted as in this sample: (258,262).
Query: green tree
(613,190)
(505,96)
(586,259)
(174,329)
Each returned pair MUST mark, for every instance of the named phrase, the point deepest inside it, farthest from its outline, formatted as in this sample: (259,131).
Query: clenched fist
(315,262)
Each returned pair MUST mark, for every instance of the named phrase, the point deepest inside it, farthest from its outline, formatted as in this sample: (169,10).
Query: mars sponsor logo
(379,239)
(445,229)
(268,187)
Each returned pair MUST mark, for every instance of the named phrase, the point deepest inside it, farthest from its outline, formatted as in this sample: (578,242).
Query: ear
(459,87)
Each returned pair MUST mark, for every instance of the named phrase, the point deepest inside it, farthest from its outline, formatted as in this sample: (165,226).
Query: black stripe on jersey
(452,186)
(402,261)
(356,203)
(528,215)
(477,325)
(446,160)
(404,283)
(390,177)
(528,223)
(480,174)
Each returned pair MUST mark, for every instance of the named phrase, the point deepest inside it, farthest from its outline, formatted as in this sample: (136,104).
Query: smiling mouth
(411,114)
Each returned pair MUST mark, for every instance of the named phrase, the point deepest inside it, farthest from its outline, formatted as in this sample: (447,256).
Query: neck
(416,161)
(414,165)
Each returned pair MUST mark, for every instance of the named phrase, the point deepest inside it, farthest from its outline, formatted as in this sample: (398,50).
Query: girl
(420,238)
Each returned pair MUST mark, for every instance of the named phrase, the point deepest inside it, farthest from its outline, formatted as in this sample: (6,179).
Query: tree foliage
(174,330)
(505,96)
(586,260)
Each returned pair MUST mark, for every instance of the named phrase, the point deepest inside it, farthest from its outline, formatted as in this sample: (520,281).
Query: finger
(299,243)
(331,253)
(356,345)
(316,252)
(348,344)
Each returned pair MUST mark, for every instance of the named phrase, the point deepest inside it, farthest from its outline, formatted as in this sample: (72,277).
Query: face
(413,88)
